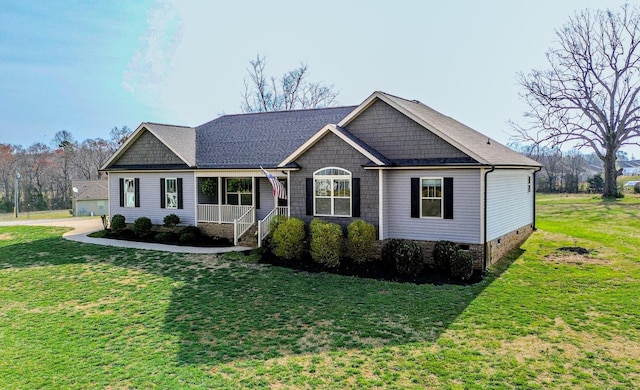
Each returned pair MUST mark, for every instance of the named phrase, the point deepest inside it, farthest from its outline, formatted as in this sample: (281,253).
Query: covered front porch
(240,198)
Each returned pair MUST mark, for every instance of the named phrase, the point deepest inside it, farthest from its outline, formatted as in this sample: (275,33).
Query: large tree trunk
(610,174)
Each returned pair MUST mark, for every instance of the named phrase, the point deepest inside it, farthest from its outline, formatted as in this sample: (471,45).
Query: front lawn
(80,316)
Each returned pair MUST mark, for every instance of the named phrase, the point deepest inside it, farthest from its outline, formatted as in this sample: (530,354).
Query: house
(630,168)
(411,171)
(90,197)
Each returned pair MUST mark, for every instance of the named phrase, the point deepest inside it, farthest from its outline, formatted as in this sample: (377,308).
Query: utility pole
(17,194)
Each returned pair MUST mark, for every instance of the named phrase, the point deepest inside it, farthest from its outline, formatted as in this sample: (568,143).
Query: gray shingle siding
(331,151)
(148,151)
(398,137)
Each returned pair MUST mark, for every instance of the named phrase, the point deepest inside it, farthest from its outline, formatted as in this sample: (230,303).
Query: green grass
(34,215)
(77,316)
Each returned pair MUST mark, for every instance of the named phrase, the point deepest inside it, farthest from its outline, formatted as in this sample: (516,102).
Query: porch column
(289,194)
(219,198)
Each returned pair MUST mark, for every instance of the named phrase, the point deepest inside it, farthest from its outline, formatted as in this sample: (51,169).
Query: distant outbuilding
(90,197)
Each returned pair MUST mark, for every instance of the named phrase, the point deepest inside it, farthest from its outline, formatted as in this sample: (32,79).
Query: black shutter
(257,189)
(415,197)
(163,193)
(448,198)
(356,197)
(180,204)
(121,192)
(309,196)
(136,183)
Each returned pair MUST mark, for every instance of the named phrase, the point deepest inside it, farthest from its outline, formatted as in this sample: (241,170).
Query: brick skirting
(496,249)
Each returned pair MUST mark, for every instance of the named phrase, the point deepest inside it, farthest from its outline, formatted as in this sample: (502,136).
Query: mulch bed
(377,269)
(200,241)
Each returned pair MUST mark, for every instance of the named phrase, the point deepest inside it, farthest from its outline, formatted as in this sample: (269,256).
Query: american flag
(278,188)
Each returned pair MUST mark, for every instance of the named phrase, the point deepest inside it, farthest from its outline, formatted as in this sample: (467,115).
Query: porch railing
(263,224)
(242,224)
(221,213)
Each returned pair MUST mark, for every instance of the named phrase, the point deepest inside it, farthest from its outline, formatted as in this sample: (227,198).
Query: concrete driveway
(82,226)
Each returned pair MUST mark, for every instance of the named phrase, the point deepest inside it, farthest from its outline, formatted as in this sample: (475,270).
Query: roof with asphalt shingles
(91,189)
(255,139)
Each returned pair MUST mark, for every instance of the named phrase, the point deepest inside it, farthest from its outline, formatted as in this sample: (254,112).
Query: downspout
(533,188)
(484,239)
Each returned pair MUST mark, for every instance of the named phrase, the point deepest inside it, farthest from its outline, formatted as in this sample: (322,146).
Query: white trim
(441,196)
(125,146)
(134,137)
(380,204)
(125,192)
(434,129)
(318,136)
(239,194)
(333,197)
(166,193)
(288,193)
(362,107)
(483,183)
(195,198)
(252,172)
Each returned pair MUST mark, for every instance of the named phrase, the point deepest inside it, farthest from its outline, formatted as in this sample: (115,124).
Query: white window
(431,197)
(129,193)
(239,192)
(171,193)
(528,183)
(332,192)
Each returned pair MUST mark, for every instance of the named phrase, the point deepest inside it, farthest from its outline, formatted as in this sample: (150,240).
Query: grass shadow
(223,311)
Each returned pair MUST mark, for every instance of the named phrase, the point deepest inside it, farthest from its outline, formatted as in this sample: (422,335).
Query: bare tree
(291,91)
(589,96)
(92,153)
(118,136)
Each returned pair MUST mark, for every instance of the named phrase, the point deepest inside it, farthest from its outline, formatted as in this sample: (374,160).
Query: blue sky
(87,66)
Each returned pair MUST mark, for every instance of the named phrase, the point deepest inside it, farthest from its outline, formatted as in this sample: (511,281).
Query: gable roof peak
(464,138)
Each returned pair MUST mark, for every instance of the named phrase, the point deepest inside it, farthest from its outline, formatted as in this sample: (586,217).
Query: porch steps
(250,238)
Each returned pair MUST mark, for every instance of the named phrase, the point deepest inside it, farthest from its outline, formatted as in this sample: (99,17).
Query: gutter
(484,239)
(533,188)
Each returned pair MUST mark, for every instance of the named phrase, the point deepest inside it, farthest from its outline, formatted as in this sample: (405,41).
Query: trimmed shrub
(192,229)
(409,260)
(288,239)
(142,226)
(389,250)
(442,252)
(187,238)
(462,264)
(275,222)
(361,240)
(167,237)
(326,242)
(118,223)
(636,188)
(190,235)
(171,221)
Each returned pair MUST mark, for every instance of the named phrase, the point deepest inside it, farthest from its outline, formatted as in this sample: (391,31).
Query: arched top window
(331,171)
(332,192)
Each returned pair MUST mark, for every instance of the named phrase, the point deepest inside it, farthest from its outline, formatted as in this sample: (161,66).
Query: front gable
(397,136)
(331,150)
(147,151)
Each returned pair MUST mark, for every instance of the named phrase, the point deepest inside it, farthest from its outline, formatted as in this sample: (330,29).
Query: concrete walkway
(82,226)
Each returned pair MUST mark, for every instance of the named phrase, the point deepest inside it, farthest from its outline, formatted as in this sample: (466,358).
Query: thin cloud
(151,65)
